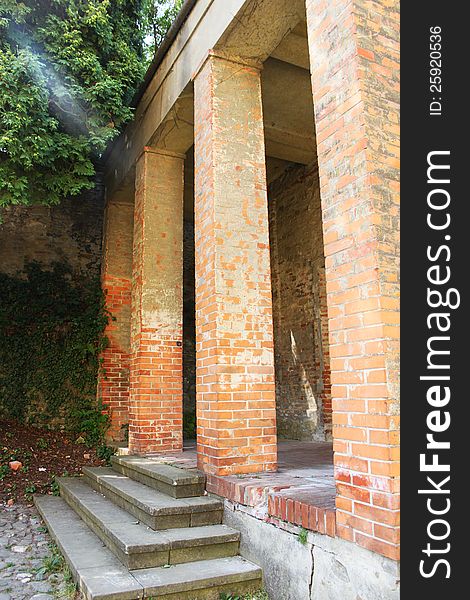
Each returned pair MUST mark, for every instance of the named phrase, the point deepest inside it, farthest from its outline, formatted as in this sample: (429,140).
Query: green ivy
(51,337)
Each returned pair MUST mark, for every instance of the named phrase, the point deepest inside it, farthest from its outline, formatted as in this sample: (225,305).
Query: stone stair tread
(99,572)
(163,472)
(102,577)
(128,533)
(148,499)
(196,575)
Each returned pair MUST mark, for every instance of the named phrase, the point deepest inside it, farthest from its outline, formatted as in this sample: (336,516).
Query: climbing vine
(52,335)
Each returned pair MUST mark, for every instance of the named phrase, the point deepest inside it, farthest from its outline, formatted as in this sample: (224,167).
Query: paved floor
(306,459)
(299,459)
(23,547)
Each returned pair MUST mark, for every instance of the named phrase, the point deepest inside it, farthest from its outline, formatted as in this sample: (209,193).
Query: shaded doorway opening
(300,321)
(189,308)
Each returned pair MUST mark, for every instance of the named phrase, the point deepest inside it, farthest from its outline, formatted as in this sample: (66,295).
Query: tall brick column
(354,63)
(155,407)
(234,340)
(113,384)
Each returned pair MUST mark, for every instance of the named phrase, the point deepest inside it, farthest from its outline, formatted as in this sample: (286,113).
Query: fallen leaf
(15,465)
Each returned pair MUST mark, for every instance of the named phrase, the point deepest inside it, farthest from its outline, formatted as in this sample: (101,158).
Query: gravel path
(24,545)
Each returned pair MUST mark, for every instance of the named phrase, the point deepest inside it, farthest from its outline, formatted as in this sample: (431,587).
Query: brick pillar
(234,340)
(113,384)
(155,407)
(353,54)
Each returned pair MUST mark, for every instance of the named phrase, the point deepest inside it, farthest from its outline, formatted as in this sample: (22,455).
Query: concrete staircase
(142,529)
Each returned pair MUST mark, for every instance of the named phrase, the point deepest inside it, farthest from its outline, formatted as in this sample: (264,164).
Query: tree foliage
(158,16)
(68,71)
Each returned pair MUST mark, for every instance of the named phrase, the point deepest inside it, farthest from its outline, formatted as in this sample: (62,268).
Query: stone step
(98,572)
(203,580)
(101,576)
(173,481)
(136,545)
(155,509)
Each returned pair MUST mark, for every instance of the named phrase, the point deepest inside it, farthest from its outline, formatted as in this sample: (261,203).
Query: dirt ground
(44,455)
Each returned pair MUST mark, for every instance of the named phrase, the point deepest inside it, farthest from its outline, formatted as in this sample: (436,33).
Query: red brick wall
(155,407)
(354,54)
(303,392)
(113,383)
(235,371)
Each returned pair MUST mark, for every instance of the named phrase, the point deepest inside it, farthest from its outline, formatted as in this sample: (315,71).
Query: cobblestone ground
(24,546)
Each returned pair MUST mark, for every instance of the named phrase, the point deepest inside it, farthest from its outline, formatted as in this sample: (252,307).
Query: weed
(42,444)
(303,536)
(261,595)
(105,452)
(55,487)
(52,563)
(4,470)
(69,590)
(55,563)
(28,491)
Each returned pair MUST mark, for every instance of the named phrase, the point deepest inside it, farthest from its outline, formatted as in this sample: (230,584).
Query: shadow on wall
(301,348)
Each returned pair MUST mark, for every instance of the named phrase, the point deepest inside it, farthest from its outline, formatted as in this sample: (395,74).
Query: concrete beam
(289,146)
(288,112)
(294,50)
(202,29)
(259,28)
(247,29)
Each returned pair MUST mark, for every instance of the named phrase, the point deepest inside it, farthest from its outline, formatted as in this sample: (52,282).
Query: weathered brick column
(234,340)
(113,384)
(155,407)
(354,63)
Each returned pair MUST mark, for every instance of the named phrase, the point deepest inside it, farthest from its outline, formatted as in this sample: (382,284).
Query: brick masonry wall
(235,364)
(156,378)
(355,80)
(113,383)
(303,393)
(68,233)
